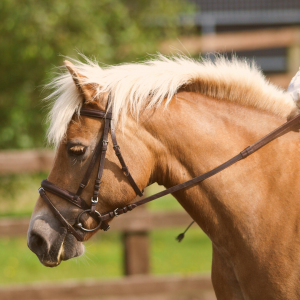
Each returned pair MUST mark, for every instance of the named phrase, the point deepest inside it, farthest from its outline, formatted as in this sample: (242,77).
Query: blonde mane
(138,85)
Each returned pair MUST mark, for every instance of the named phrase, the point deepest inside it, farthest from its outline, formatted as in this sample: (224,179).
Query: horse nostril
(39,241)
(37,244)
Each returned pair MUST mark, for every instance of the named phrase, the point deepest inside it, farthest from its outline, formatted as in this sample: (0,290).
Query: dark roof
(217,5)
(212,13)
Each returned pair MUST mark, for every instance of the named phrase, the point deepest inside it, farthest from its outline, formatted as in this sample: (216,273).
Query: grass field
(103,257)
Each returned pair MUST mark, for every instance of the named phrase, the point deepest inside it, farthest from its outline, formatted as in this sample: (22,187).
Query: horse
(177,118)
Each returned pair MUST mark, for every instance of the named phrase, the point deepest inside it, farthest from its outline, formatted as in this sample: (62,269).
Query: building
(215,16)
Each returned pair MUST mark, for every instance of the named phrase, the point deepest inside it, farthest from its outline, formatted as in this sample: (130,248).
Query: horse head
(47,238)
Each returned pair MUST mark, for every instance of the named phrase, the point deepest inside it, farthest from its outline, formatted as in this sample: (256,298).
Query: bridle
(101,149)
(75,199)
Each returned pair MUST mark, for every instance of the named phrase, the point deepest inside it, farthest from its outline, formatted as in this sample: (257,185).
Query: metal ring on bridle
(79,224)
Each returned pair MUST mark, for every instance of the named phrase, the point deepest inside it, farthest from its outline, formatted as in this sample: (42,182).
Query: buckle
(115,212)
(94,201)
(126,170)
(41,189)
(105,142)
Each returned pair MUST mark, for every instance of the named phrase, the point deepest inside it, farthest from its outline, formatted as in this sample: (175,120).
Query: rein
(101,149)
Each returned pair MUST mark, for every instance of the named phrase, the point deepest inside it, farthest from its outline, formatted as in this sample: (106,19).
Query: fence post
(136,246)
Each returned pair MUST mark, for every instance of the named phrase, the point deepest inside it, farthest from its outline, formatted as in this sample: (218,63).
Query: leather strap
(99,148)
(102,147)
(69,196)
(283,129)
(122,161)
(90,168)
(59,216)
(120,211)
(102,157)
(96,113)
(65,194)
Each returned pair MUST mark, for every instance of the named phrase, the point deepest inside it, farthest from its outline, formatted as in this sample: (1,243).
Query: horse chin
(50,264)
(51,242)
(71,248)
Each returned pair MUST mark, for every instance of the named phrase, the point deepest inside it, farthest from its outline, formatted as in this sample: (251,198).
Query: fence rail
(136,221)
(234,41)
(25,161)
(136,287)
(134,227)
(287,37)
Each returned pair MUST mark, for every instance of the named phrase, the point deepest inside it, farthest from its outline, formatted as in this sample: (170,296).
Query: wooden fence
(143,287)
(235,41)
(137,220)
(134,226)
(26,161)
(247,40)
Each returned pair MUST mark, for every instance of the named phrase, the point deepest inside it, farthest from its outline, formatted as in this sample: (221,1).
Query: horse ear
(86,90)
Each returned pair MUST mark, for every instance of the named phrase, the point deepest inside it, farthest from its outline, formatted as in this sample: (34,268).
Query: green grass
(103,258)
(104,253)
(18,264)
(165,203)
(192,255)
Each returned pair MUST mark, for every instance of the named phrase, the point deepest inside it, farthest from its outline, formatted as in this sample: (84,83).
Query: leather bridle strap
(122,161)
(75,198)
(100,150)
(65,194)
(100,114)
(101,164)
(245,153)
(60,217)
(69,196)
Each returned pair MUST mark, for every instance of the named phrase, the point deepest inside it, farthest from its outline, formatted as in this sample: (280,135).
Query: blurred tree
(33,34)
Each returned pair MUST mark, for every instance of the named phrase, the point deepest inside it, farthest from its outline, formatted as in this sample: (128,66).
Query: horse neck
(196,134)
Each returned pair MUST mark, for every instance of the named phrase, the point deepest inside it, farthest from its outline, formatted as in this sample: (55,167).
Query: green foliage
(18,194)
(35,33)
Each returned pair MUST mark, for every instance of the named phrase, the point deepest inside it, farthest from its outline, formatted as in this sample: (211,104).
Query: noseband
(101,149)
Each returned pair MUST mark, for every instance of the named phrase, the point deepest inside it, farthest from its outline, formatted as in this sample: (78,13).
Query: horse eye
(77,150)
